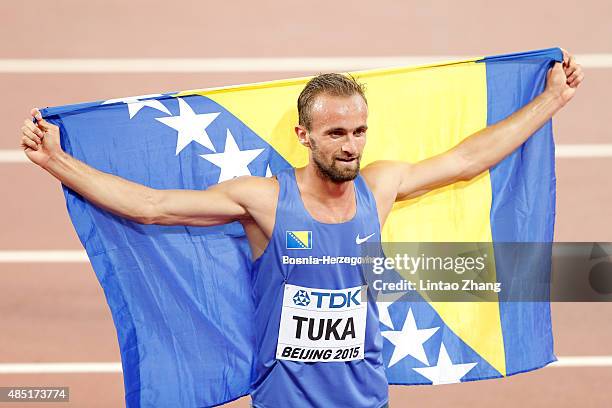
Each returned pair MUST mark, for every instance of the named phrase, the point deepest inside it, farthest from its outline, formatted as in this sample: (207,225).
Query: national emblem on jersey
(299,239)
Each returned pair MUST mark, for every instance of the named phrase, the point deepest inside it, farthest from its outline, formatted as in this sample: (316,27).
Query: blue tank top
(318,342)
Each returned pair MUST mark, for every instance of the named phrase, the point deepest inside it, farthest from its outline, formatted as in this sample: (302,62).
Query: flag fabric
(180,296)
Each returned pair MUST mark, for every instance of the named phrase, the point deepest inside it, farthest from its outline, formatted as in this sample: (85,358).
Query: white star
(409,341)
(268,171)
(445,372)
(387,300)
(136,103)
(233,161)
(190,126)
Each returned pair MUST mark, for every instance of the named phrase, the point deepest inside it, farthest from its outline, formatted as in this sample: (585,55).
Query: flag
(180,296)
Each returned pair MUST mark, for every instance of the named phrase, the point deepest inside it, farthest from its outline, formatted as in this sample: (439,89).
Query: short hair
(331,84)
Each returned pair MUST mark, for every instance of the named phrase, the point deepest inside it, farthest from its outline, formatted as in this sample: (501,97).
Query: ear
(302,135)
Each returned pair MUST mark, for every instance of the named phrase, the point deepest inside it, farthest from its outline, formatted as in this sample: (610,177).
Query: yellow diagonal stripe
(302,236)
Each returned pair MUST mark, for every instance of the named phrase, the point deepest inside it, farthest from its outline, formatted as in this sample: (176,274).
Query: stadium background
(56,329)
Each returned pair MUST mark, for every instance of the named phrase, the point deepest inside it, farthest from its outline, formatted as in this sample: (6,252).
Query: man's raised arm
(218,205)
(483,149)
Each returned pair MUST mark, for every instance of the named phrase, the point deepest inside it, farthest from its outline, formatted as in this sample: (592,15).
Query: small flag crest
(299,239)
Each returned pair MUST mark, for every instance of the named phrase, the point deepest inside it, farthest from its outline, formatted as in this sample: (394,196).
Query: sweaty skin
(335,143)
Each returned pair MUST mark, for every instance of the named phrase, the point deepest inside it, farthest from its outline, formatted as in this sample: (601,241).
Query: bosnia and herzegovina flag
(180,296)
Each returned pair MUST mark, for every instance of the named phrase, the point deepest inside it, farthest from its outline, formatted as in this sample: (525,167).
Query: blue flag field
(180,296)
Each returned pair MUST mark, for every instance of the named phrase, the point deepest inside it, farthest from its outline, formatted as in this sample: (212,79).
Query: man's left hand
(564,78)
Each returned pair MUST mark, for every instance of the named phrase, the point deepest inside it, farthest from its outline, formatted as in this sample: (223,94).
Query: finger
(40,121)
(29,143)
(577,81)
(574,75)
(24,146)
(43,124)
(577,71)
(571,63)
(30,125)
(36,114)
(566,55)
(25,131)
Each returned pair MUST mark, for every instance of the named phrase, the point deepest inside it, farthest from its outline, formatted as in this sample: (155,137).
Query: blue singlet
(308,274)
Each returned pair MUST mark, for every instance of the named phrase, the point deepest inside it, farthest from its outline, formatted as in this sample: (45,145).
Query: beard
(332,171)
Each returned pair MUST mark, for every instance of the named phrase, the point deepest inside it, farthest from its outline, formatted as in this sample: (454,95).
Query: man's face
(337,135)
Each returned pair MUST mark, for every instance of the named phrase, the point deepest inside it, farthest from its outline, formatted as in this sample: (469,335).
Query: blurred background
(56,329)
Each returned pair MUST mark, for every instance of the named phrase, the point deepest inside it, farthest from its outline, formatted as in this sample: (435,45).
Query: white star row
(136,103)
(192,127)
(409,341)
(445,372)
(233,161)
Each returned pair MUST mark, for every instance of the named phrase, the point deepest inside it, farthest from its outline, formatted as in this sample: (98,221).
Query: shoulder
(249,189)
(383,175)
(383,178)
(257,195)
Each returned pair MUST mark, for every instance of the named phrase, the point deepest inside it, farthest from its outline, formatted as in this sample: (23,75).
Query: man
(311,350)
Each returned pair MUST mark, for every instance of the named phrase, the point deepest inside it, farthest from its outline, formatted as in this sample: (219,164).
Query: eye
(360,132)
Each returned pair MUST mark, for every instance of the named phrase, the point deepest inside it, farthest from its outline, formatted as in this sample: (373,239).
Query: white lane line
(43,256)
(572,151)
(61,368)
(202,65)
(562,151)
(583,361)
(13,156)
(595,60)
(280,64)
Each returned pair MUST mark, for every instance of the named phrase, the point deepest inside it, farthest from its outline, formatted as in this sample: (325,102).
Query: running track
(55,311)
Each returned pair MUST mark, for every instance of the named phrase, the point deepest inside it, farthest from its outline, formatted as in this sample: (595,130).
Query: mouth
(345,160)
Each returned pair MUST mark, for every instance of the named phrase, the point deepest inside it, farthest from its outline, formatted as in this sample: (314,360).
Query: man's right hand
(40,140)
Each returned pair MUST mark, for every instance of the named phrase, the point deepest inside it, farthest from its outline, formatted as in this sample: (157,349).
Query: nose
(349,147)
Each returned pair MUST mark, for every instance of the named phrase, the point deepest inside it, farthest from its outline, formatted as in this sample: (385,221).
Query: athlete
(317,344)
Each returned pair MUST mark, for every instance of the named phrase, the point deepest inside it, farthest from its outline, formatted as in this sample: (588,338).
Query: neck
(320,186)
